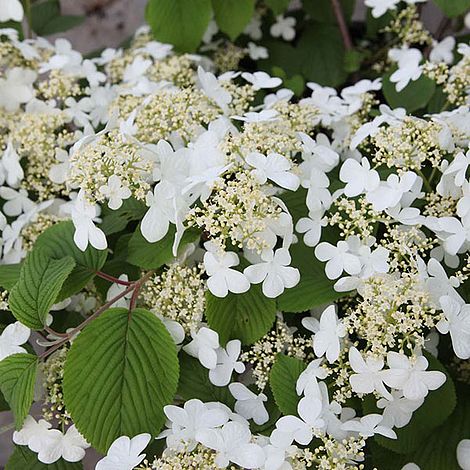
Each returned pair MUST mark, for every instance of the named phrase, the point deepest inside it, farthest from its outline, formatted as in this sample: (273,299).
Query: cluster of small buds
(394,312)
(408,28)
(178,294)
(53,374)
(38,225)
(458,84)
(177,69)
(334,454)
(228,57)
(242,97)
(438,72)
(4,300)
(59,86)
(236,212)
(409,145)
(439,206)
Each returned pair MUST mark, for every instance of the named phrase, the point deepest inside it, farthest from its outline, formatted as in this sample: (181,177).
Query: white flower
(136,69)
(222,278)
(274,272)
(83,213)
(284,27)
(463,454)
(311,226)
(185,423)
(338,259)
(368,426)
(274,167)
(58,171)
(409,68)
(11,10)
(326,340)
(410,466)
(124,453)
(442,51)
(380,7)
(156,49)
(368,375)
(17,201)
(116,289)
(227,362)
(398,410)
(457,323)
(358,176)
(11,339)
(261,80)
(257,52)
(52,445)
(16,88)
(30,429)
(458,168)
(65,58)
(307,382)
(212,88)
(115,192)
(455,234)
(232,444)
(265,115)
(248,404)
(410,375)
(11,164)
(204,346)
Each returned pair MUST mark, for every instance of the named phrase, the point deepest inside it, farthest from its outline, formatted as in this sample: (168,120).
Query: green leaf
(154,255)
(314,288)
(115,221)
(415,95)
(436,408)
(247,316)
(17,379)
(58,243)
(233,15)
(453,8)
(179,22)
(194,383)
(277,6)
(119,374)
(42,13)
(41,279)
(282,380)
(322,11)
(25,459)
(9,275)
(62,23)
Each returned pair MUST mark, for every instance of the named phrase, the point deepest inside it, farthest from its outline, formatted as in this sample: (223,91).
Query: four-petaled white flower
(125,453)
(284,27)
(115,192)
(398,410)
(358,176)
(380,7)
(368,426)
(274,272)
(227,362)
(11,339)
(204,346)
(212,88)
(248,404)
(307,382)
(409,68)
(261,80)
(16,88)
(338,259)
(312,226)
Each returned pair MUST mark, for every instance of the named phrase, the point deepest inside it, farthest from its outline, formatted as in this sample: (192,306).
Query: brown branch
(343,27)
(110,278)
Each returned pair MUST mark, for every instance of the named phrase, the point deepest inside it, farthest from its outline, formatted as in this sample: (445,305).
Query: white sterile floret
(118,288)
(284,27)
(274,167)
(368,426)
(463,454)
(11,10)
(222,278)
(115,192)
(248,404)
(358,176)
(227,362)
(16,88)
(212,88)
(311,227)
(409,68)
(261,80)
(125,453)
(307,383)
(380,7)
(442,51)
(398,410)
(266,115)
(11,339)
(11,165)
(409,374)
(274,272)
(338,259)
(30,429)
(204,346)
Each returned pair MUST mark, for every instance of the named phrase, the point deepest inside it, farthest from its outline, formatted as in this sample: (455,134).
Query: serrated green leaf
(119,374)
(25,459)
(9,275)
(232,16)
(247,316)
(194,383)
(314,288)
(154,255)
(453,8)
(41,279)
(58,243)
(437,407)
(283,379)
(415,95)
(17,378)
(179,22)
(277,6)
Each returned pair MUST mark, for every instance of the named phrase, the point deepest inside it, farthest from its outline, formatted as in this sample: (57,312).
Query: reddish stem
(110,278)
(343,27)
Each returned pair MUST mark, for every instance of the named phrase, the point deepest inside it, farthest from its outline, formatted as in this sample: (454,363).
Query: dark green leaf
(25,459)
(453,8)
(42,13)
(233,15)
(283,379)
(322,11)
(115,221)
(179,22)
(62,23)
(277,6)
(119,374)
(17,379)
(247,316)
(41,279)
(9,275)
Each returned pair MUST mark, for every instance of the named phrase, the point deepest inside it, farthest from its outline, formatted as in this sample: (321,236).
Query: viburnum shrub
(203,269)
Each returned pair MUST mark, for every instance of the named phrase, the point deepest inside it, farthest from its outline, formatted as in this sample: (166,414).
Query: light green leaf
(41,279)
(277,6)
(415,95)
(57,242)
(233,15)
(314,288)
(119,374)
(283,379)
(453,8)
(154,255)
(17,378)
(179,22)
(25,459)
(247,316)
(9,275)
